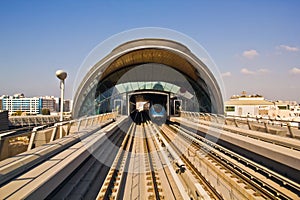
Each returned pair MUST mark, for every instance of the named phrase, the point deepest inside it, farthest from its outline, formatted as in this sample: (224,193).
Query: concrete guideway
(238,172)
(75,171)
(141,171)
(125,160)
(280,154)
(43,178)
(288,156)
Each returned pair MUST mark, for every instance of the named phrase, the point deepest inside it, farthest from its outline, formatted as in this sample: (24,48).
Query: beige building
(287,110)
(256,105)
(252,105)
(295,110)
(49,102)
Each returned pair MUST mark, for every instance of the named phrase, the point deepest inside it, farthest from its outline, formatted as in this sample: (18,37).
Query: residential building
(49,102)
(32,105)
(20,103)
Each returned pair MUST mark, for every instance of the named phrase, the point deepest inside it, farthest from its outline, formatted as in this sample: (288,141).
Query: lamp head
(62,75)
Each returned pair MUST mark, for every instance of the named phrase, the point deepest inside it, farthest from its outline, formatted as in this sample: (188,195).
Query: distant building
(252,105)
(256,105)
(4,123)
(49,103)
(32,105)
(57,104)
(285,110)
(20,103)
(67,105)
(295,110)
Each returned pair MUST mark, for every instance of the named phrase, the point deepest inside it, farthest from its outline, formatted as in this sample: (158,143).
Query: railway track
(244,178)
(280,182)
(286,142)
(52,168)
(114,181)
(284,161)
(126,160)
(121,161)
(139,170)
(173,140)
(85,181)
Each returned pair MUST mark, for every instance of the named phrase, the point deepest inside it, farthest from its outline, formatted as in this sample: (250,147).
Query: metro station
(156,77)
(148,123)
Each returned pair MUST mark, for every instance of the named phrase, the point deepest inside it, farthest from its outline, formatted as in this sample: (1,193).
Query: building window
(282,107)
(229,109)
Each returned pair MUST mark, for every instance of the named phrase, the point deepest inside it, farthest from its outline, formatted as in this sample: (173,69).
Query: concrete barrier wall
(272,126)
(13,145)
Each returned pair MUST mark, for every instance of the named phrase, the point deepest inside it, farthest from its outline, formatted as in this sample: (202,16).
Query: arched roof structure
(148,51)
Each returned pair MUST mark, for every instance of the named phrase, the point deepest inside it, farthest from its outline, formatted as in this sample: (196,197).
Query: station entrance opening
(150,105)
(148,79)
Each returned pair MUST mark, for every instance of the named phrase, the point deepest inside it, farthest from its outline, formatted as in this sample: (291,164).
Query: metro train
(158,114)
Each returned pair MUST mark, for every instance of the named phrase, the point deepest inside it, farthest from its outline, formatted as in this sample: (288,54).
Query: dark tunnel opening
(145,107)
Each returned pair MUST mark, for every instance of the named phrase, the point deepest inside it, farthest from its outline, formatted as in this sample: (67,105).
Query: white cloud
(226,74)
(263,71)
(289,48)
(250,54)
(247,71)
(295,70)
(254,72)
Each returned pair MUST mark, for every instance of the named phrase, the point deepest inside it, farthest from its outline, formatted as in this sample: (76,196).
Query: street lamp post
(61,75)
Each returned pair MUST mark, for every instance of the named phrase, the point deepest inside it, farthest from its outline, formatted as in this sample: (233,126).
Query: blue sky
(255,44)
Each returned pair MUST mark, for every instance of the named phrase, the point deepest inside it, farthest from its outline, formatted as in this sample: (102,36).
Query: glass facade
(118,86)
(143,62)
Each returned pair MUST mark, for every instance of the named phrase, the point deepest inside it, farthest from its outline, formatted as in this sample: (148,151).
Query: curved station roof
(143,65)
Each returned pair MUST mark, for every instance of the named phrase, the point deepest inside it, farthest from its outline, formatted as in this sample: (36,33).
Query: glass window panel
(128,87)
(142,85)
(175,89)
(148,85)
(134,85)
(120,88)
(168,87)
